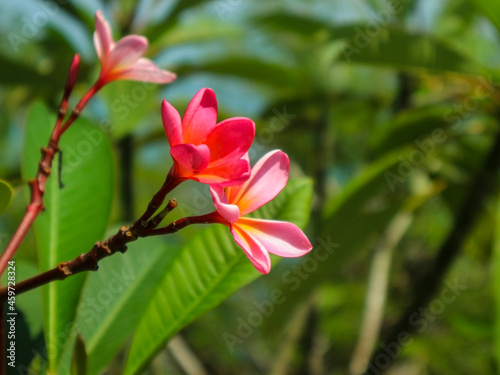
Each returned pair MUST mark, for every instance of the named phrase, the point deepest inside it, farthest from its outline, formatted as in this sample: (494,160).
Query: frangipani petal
(268,177)
(278,237)
(254,250)
(200,117)
(145,70)
(230,139)
(231,173)
(227,143)
(103,40)
(171,123)
(190,159)
(230,212)
(259,237)
(126,52)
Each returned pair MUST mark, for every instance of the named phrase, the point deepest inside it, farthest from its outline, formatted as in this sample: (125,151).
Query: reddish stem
(37,185)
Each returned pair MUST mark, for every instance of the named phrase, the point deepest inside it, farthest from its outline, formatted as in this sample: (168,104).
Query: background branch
(482,187)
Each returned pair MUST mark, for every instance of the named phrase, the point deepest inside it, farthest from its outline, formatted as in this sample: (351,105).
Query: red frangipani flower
(204,150)
(259,237)
(123,59)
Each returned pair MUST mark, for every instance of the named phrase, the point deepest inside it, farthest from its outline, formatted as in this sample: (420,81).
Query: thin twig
(185,357)
(296,326)
(377,292)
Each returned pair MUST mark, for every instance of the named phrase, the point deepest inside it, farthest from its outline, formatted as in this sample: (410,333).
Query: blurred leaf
(496,277)
(171,19)
(197,32)
(490,9)
(114,298)
(15,73)
(274,75)
(389,46)
(363,209)
(303,25)
(402,49)
(409,126)
(5,195)
(129,105)
(203,274)
(74,218)
(79,362)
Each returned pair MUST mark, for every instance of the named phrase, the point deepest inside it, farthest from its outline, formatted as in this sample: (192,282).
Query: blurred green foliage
(389,106)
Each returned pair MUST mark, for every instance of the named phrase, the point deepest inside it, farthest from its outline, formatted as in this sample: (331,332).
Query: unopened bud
(72,75)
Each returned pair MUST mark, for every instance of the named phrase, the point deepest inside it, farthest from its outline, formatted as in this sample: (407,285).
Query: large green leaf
(114,298)
(5,195)
(74,218)
(203,274)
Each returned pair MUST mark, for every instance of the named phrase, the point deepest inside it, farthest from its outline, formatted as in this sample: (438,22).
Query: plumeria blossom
(204,150)
(259,237)
(123,59)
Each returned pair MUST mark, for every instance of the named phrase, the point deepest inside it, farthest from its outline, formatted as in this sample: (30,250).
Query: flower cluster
(212,153)
(217,154)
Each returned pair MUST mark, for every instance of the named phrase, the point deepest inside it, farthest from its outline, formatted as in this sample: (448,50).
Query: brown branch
(483,186)
(116,243)
(85,262)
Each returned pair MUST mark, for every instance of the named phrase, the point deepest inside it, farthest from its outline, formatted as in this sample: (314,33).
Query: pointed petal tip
(171,121)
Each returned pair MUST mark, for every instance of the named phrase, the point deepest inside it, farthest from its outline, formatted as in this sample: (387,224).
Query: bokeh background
(390,107)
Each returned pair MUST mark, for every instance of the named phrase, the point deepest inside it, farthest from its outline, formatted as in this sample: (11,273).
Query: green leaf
(364,208)
(490,9)
(171,19)
(203,274)
(297,24)
(114,298)
(251,68)
(496,277)
(15,73)
(75,216)
(195,32)
(79,361)
(413,126)
(5,195)
(402,49)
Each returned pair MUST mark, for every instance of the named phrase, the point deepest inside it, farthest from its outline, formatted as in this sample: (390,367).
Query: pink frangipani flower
(123,59)
(204,150)
(259,237)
